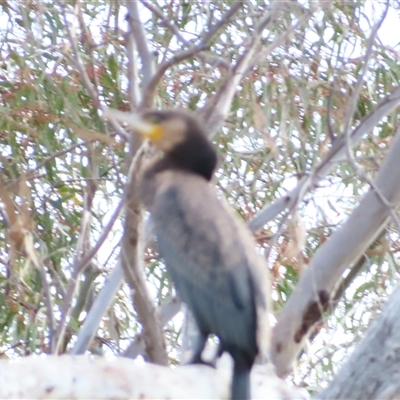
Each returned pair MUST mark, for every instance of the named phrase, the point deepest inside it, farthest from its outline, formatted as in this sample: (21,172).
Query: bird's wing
(201,247)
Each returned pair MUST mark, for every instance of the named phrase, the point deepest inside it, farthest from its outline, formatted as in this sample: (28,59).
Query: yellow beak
(150,131)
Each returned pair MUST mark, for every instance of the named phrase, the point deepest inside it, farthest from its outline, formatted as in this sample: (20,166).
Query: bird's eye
(154,118)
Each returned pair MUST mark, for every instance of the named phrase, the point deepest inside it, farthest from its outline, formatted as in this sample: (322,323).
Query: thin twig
(77,269)
(174,30)
(78,62)
(103,301)
(178,57)
(358,86)
(83,74)
(48,302)
(88,45)
(85,225)
(56,155)
(214,61)
(350,115)
(328,114)
(217,109)
(336,154)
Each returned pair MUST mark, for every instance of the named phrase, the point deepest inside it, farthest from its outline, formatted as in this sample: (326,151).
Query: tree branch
(132,265)
(314,290)
(166,312)
(79,265)
(101,305)
(91,89)
(156,11)
(183,55)
(215,111)
(77,60)
(336,154)
(138,34)
(132,73)
(72,377)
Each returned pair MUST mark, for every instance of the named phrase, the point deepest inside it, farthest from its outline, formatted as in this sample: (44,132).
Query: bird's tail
(240,389)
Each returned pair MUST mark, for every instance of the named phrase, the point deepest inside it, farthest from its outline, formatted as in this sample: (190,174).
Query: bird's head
(165,129)
(176,133)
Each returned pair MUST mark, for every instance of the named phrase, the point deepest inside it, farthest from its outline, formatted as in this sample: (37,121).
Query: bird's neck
(151,176)
(196,157)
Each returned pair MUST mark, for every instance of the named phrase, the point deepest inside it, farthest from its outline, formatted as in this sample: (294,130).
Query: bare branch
(138,34)
(48,302)
(203,44)
(358,171)
(345,283)
(102,303)
(214,61)
(360,80)
(131,252)
(83,74)
(132,74)
(217,108)
(166,312)
(77,60)
(280,40)
(81,248)
(225,19)
(88,45)
(331,134)
(78,267)
(156,11)
(85,291)
(132,265)
(336,154)
(314,291)
(100,378)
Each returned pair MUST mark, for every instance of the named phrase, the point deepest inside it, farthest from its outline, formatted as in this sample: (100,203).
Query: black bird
(209,254)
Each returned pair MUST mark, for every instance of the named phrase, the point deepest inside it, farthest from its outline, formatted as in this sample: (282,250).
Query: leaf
(113,66)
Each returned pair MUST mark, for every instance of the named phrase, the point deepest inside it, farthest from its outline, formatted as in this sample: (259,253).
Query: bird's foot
(199,360)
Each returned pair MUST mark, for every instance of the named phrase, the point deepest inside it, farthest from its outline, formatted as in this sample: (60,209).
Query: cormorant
(209,254)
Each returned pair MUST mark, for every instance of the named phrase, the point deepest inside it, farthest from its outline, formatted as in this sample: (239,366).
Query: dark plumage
(209,254)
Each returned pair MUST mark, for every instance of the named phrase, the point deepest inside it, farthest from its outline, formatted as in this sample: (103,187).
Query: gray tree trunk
(373,370)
